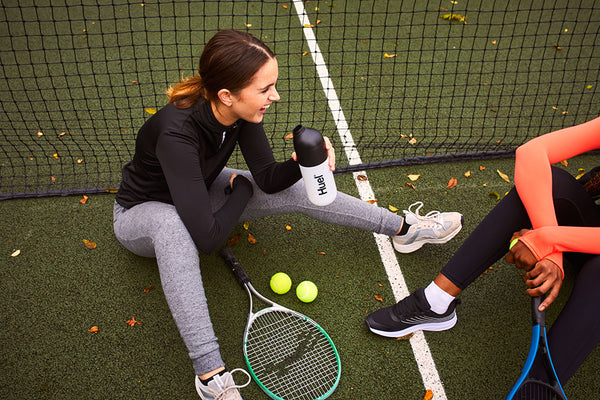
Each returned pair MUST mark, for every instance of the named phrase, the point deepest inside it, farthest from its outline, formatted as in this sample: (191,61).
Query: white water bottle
(314,165)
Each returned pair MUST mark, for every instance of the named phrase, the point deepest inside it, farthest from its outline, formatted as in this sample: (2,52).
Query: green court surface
(57,289)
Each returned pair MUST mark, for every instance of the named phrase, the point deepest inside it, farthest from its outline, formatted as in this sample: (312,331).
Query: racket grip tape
(227,254)
(538,317)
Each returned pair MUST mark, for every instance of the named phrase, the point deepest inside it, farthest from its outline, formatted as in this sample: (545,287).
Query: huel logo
(322,189)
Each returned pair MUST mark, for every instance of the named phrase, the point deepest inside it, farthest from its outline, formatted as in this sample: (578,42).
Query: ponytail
(187,92)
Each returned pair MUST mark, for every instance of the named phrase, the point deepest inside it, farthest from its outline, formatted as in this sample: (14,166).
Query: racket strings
(536,390)
(289,355)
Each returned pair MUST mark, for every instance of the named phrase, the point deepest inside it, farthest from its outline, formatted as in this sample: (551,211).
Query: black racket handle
(227,254)
(538,317)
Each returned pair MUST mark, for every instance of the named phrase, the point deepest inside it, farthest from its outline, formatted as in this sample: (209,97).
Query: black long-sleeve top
(178,155)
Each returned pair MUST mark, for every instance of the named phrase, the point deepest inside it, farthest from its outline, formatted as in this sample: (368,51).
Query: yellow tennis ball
(281,283)
(307,291)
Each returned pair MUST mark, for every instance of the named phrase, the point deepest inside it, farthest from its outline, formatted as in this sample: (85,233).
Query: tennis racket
(527,387)
(289,355)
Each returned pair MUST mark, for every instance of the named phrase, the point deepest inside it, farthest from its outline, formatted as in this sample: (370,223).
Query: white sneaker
(433,227)
(221,387)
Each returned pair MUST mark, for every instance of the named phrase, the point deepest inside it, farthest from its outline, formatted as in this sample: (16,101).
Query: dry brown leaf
(481,167)
(148,288)
(452,183)
(565,163)
(84,199)
(378,298)
(372,201)
(289,136)
(410,185)
(15,253)
(413,177)
(322,253)
(361,178)
(234,239)
(288,228)
(428,395)
(251,239)
(467,174)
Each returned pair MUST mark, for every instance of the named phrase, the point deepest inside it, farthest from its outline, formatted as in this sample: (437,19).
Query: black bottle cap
(309,146)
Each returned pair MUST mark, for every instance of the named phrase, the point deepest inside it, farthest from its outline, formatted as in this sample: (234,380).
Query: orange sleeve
(551,239)
(533,177)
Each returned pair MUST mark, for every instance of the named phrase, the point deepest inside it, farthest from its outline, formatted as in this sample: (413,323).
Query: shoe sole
(409,248)
(433,327)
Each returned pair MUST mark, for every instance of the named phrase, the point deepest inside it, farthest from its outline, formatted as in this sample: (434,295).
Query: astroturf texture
(57,289)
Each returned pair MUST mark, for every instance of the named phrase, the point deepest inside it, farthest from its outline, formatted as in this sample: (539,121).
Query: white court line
(427,368)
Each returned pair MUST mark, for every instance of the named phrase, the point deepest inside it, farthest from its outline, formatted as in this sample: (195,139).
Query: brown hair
(229,61)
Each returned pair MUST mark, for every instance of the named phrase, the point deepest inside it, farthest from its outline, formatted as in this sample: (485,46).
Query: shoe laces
(408,307)
(431,217)
(235,386)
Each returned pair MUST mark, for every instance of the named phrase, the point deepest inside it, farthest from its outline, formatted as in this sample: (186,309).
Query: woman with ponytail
(177,196)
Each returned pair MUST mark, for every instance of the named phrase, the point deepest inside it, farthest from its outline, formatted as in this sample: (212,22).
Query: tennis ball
(281,283)
(307,291)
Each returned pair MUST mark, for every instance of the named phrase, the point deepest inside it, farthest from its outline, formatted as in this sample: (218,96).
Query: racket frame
(538,338)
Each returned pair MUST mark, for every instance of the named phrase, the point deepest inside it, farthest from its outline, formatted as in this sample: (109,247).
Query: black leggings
(576,331)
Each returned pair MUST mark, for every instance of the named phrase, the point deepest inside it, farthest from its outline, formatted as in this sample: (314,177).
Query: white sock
(437,298)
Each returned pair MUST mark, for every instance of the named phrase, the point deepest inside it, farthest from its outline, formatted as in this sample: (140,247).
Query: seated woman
(551,214)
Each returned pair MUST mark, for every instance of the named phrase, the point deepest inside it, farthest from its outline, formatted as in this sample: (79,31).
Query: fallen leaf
(133,322)
(406,337)
(495,195)
(89,244)
(378,298)
(452,183)
(392,209)
(93,329)
(111,190)
(481,167)
(580,173)
(361,178)
(84,199)
(151,111)
(246,225)
(251,239)
(454,18)
(55,155)
(386,55)
(148,288)
(40,133)
(410,185)
(413,177)
(15,253)
(284,6)
(503,176)
(248,25)
(287,227)
(234,239)
(587,87)
(467,174)
(412,140)
(564,163)
(322,253)
(428,395)
(289,136)
(372,201)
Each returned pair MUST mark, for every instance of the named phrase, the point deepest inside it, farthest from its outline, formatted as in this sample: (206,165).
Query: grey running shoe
(221,387)
(433,227)
(413,313)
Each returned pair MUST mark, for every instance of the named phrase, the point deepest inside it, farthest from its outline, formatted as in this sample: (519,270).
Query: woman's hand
(330,153)
(545,277)
(519,254)
(541,277)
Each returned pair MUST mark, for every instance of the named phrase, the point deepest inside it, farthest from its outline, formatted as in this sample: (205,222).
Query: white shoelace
(221,396)
(431,216)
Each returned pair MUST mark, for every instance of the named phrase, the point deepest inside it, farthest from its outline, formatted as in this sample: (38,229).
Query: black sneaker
(413,313)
